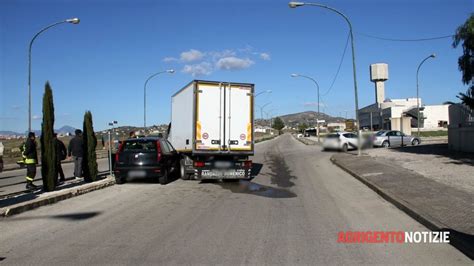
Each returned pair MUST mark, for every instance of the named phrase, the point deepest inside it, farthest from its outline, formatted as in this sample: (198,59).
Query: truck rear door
(238,131)
(209,113)
(224,117)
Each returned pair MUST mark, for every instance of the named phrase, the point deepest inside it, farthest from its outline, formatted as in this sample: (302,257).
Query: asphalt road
(289,214)
(14,180)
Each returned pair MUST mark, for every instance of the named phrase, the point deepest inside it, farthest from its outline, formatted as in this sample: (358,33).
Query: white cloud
(220,54)
(36,117)
(169,59)
(203,68)
(234,63)
(191,55)
(265,56)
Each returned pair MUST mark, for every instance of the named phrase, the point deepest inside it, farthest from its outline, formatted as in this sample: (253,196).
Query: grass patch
(438,133)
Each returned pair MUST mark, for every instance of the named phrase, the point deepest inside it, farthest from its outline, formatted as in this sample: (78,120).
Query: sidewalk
(435,205)
(14,166)
(31,200)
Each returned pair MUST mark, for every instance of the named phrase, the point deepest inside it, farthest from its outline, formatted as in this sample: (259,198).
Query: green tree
(48,150)
(302,127)
(278,124)
(89,163)
(465,35)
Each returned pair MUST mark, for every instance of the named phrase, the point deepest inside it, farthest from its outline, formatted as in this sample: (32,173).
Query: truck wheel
(163,180)
(385,144)
(182,170)
(344,148)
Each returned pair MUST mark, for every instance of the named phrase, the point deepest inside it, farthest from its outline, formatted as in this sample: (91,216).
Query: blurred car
(341,141)
(393,138)
(145,158)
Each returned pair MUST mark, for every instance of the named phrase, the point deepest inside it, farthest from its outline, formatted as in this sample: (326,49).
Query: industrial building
(399,114)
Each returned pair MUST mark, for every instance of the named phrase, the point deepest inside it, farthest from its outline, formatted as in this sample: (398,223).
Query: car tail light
(248,164)
(118,152)
(199,164)
(158,150)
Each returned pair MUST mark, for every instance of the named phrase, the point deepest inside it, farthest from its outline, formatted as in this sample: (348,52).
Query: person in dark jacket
(76,150)
(61,154)
(31,159)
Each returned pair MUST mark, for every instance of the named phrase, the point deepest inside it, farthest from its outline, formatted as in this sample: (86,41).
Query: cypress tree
(48,151)
(89,163)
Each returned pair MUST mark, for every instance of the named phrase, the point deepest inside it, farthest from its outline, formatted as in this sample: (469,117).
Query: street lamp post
(110,145)
(261,109)
(72,21)
(298,4)
(267,91)
(317,86)
(170,71)
(417,93)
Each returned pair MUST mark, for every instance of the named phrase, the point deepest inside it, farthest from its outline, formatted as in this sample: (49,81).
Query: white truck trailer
(212,129)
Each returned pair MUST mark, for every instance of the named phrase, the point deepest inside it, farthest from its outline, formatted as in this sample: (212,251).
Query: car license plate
(240,173)
(136,173)
(222,164)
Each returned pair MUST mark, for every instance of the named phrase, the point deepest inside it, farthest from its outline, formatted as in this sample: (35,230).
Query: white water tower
(378,75)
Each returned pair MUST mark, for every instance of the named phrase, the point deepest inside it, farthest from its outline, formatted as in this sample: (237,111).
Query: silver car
(393,138)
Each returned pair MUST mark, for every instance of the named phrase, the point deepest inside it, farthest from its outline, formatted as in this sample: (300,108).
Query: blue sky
(102,63)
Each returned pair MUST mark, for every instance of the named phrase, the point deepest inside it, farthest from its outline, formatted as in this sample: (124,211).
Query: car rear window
(139,145)
(380,133)
(332,136)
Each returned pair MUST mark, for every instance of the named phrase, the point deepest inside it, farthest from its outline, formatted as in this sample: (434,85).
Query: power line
(405,40)
(339,67)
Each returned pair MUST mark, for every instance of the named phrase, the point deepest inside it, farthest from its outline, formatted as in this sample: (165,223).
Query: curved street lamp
(170,71)
(72,21)
(298,4)
(317,86)
(267,91)
(417,93)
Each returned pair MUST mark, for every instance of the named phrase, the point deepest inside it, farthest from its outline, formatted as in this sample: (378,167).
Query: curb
(404,206)
(56,196)
(305,141)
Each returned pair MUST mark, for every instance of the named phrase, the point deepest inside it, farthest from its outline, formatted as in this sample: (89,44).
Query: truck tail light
(248,164)
(118,152)
(199,164)
(158,151)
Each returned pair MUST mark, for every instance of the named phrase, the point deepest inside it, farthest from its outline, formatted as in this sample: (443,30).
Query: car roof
(145,139)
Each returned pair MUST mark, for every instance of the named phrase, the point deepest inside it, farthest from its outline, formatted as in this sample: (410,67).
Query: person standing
(61,154)
(30,158)
(1,156)
(76,150)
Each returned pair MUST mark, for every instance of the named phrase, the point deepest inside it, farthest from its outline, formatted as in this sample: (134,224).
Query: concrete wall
(404,126)
(461,139)
(434,114)
(461,128)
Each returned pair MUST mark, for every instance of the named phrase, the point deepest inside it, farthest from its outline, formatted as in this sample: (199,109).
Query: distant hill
(308,117)
(62,130)
(65,129)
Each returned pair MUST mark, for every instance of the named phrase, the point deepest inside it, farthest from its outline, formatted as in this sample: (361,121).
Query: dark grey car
(394,138)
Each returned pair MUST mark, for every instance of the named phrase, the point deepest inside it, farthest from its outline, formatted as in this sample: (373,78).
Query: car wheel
(182,170)
(385,144)
(119,180)
(163,180)
(415,142)
(344,148)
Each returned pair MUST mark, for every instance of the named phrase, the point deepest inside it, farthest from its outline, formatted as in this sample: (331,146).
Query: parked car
(393,138)
(342,141)
(145,158)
